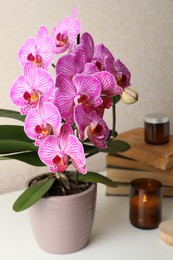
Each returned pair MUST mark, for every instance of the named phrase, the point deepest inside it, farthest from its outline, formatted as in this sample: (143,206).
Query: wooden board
(159,156)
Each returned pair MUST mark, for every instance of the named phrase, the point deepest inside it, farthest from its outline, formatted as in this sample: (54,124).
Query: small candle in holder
(145,203)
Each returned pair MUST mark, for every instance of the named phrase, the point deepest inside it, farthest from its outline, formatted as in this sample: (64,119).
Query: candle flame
(144,198)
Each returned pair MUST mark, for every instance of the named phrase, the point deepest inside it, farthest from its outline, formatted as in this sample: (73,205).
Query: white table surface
(113,237)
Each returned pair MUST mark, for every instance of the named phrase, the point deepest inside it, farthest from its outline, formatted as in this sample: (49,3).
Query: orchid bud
(129,96)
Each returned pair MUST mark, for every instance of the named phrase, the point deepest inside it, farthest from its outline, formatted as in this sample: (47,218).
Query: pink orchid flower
(94,126)
(39,124)
(72,63)
(120,71)
(39,50)
(56,150)
(65,33)
(27,89)
(84,89)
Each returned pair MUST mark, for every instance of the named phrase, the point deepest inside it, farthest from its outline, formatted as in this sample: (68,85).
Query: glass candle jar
(145,203)
(156,129)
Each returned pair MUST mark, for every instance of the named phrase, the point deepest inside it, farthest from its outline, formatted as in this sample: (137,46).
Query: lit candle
(145,203)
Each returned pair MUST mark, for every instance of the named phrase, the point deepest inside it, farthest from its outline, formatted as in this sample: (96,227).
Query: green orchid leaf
(116,146)
(89,148)
(30,196)
(12,114)
(13,132)
(30,158)
(13,146)
(94,177)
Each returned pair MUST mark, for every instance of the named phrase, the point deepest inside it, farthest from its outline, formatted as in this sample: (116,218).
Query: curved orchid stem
(113,134)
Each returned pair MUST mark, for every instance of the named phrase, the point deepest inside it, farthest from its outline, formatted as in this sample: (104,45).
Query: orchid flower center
(83,99)
(58,160)
(31,97)
(96,129)
(43,129)
(61,39)
(37,59)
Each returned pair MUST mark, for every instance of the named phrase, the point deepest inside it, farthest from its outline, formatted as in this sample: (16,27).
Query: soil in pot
(62,186)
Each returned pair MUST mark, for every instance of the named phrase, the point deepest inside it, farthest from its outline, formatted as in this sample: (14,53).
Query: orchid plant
(64,117)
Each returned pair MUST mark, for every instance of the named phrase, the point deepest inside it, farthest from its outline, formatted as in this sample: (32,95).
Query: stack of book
(142,160)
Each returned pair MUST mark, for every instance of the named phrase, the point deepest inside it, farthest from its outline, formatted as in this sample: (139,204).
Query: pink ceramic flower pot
(62,224)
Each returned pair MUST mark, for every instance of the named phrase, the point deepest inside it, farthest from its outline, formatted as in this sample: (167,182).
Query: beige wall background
(140,33)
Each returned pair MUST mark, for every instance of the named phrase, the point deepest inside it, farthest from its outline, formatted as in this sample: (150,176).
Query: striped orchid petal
(108,83)
(75,151)
(64,97)
(82,120)
(72,63)
(44,83)
(88,85)
(87,41)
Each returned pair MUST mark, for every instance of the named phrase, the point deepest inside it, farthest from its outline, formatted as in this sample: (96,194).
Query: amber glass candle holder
(145,203)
